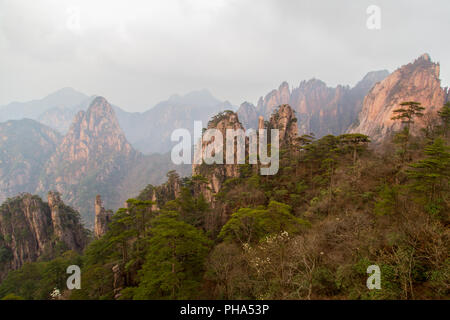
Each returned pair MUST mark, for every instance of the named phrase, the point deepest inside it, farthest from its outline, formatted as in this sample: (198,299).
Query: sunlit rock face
(417,81)
(319,109)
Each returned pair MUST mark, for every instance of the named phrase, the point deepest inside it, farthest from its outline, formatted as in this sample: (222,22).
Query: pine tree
(431,175)
(406,113)
(355,141)
(444,114)
(173,267)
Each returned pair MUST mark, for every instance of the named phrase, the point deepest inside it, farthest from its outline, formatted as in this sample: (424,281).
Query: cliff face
(211,177)
(93,133)
(102,218)
(273,99)
(30,228)
(285,121)
(320,109)
(170,190)
(283,118)
(417,81)
(66,223)
(217,174)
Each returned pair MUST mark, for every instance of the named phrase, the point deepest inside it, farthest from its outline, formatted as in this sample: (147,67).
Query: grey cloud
(137,53)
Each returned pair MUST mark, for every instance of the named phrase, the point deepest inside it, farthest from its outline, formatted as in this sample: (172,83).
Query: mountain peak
(417,81)
(98,100)
(94,134)
(274,99)
(100,105)
(425,57)
(283,85)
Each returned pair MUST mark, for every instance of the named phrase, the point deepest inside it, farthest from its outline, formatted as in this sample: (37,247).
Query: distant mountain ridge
(25,147)
(147,131)
(63,98)
(150,131)
(320,109)
(94,157)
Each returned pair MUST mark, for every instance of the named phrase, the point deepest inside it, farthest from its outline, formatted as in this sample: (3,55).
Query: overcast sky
(136,53)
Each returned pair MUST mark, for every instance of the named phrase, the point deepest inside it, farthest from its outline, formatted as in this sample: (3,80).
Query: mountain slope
(25,146)
(417,81)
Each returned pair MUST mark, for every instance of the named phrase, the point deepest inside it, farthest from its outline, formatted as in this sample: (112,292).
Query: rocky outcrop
(31,228)
(417,81)
(216,174)
(285,121)
(118,280)
(66,223)
(170,190)
(209,179)
(260,122)
(273,99)
(102,218)
(320,109)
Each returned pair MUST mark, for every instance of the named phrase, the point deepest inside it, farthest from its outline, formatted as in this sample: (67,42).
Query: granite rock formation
(417,81)
(31,228)
(320,109)
(102,218)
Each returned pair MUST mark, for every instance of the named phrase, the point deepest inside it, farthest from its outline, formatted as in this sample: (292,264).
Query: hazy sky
(136,53)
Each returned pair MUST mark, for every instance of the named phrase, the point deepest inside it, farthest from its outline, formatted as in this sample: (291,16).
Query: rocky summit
(320,109)
(31,228)
(94,156)
(417,81)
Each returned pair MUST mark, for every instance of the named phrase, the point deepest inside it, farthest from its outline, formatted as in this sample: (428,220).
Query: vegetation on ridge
(309,232)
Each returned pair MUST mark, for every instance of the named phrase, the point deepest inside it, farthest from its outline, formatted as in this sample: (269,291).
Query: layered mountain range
(94,157)
(97,153)
(320,109)
(148,132)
